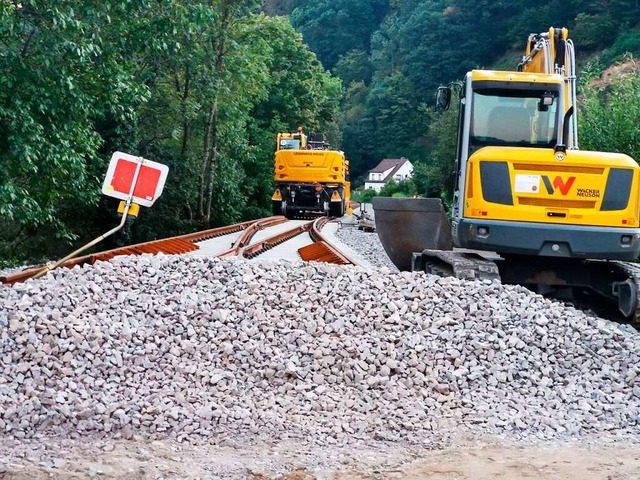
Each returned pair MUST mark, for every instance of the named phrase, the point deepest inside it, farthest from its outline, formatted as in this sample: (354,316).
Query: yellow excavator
(529,207)
(311,177)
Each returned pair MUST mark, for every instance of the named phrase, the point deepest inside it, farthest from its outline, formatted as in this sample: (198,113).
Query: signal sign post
(134,180)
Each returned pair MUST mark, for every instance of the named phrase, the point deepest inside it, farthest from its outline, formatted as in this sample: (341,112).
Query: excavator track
(609,288)
(632,271)
(460,264)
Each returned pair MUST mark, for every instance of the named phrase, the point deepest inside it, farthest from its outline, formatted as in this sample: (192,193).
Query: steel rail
(321,250)
(248,234)
(257,248)
(173,245)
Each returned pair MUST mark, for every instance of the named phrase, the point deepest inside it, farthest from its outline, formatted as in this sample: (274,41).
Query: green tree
(59,78)
(397,116)
(193,85)
(364,196)
(610,112)
(268,82)
(333,27)
(354,66)
(589,30)
(434,176)
(358,131)
(278,7)
(404,188)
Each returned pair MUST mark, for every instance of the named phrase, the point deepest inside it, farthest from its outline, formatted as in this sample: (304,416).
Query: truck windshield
(510,117)
(289,144)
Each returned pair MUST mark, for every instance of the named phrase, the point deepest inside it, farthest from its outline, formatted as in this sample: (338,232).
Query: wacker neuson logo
(558,183)
(588,192)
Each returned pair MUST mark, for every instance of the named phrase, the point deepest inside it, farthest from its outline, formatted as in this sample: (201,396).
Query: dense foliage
(610,110)
(204,86)
(391,76)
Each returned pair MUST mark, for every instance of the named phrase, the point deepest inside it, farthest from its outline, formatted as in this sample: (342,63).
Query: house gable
(390,168)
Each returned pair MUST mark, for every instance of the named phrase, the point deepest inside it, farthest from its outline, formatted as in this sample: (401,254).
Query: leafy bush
(610,110)
(627,42)
(404,188)
(363,196)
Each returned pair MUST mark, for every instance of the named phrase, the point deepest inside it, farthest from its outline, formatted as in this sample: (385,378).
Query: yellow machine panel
(527,185)
(310,166)
(508,76)
(311,177)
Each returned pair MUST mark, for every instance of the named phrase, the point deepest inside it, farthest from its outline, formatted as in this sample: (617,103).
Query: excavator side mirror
(443,99)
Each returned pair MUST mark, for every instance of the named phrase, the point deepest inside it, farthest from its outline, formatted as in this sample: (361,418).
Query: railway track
(272,237)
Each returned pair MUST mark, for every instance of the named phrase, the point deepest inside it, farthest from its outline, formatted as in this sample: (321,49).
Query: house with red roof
(397,169)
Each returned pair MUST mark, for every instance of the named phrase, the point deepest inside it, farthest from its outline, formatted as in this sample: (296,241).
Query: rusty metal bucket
(408,225)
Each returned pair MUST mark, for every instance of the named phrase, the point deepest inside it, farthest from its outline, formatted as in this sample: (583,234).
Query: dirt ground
(143,460)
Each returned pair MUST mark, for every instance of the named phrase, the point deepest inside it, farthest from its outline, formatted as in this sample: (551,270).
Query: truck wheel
(276,207)
(334,209)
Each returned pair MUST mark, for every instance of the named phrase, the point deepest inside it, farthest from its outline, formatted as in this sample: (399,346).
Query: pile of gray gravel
(367,244)
(199,349)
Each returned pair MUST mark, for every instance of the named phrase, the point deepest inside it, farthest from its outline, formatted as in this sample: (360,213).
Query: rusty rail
(174,245)
(248,234)
(320,250)
(268,243)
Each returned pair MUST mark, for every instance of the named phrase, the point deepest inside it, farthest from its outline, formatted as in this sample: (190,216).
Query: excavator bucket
(410,225)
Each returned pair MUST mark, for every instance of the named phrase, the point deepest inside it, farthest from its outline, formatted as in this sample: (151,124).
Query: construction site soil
(144,460)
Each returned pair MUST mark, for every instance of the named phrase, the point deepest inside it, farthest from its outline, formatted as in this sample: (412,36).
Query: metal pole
(127,205)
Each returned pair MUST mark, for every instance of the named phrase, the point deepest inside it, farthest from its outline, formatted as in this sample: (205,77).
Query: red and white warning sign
(130,175)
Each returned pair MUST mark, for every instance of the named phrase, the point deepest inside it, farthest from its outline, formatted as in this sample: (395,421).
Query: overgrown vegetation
(610,109)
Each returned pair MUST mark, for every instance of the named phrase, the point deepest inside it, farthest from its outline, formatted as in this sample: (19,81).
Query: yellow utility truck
(311,177)
(559,220)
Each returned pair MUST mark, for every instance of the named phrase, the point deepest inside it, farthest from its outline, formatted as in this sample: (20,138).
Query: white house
(397,169)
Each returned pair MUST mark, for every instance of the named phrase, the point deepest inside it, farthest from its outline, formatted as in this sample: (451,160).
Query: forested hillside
(204,86)
(392,61)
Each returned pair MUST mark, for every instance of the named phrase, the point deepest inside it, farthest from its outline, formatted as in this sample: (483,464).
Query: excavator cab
(526,187)
(291,141)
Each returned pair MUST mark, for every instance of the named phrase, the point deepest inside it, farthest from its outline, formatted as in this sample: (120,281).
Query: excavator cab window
(290,144)
(512,117)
